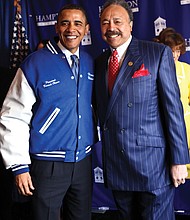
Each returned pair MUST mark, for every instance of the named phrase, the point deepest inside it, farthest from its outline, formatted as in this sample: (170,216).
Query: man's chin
(113,43)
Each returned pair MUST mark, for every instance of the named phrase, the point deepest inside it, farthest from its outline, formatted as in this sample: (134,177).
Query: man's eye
(78,23)
(64,23)
(105,22)
(117,22)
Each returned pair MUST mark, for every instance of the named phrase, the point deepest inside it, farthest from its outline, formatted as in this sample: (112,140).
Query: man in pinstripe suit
(143,131)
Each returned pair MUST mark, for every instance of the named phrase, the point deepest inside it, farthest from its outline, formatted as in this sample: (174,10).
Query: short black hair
(122,3)
(73,7)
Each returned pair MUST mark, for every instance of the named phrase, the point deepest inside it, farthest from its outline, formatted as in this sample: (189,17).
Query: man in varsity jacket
(47,125)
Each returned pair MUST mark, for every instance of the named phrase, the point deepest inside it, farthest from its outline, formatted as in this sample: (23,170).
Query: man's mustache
(111,33)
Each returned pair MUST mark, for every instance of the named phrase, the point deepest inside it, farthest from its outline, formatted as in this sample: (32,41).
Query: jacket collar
(53,47)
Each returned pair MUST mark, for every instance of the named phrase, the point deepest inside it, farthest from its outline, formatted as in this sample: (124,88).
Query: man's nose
(111,26)
(70,26)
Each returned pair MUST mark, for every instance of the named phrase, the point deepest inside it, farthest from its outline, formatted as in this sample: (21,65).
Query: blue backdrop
(150,17)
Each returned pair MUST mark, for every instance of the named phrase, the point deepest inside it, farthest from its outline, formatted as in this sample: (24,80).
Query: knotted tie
(112,70)
(75,66)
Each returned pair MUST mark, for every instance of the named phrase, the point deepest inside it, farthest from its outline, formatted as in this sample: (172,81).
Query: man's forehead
(73,14)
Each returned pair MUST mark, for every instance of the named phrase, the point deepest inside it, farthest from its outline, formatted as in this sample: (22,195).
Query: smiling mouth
(112,34)
(71,37)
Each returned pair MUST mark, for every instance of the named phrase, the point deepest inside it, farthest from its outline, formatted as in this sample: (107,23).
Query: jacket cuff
(19,169)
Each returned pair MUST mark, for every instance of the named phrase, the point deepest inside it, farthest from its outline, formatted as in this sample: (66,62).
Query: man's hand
(24,184)
(179,173)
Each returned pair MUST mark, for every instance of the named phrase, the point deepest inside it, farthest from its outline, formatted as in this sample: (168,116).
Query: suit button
(105,129)
(130,104)
(122,130)
(123,151)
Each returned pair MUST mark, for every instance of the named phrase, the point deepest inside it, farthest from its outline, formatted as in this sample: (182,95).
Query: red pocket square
(141,72)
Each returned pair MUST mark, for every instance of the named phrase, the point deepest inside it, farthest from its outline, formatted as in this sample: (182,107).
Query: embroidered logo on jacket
(90,76)
(51,83)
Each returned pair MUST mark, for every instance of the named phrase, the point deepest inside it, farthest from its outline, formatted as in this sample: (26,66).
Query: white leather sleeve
(15,122)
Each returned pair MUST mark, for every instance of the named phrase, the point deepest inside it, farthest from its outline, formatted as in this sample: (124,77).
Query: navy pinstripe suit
(142,123)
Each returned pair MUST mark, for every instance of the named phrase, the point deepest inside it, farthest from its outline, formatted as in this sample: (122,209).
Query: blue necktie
(75,66)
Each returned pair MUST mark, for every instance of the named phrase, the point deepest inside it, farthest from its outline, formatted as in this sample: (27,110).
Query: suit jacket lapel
(104,69)
(131,63)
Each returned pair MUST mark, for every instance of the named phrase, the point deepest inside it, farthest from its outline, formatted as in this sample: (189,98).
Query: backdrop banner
(150,17)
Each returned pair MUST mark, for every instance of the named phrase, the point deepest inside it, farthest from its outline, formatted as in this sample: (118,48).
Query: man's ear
(131,25)
(87,28)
